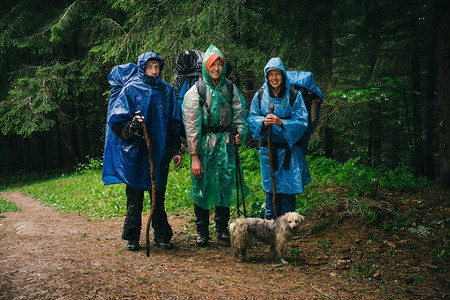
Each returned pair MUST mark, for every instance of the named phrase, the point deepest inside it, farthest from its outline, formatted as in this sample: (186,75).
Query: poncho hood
(276,63)
(145,57)
(210,52)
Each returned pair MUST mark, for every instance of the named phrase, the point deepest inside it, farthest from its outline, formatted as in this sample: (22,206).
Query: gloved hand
(134,124)
(134,127)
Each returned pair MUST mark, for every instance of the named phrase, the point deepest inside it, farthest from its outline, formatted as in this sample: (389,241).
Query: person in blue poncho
(126,158)
(289,123)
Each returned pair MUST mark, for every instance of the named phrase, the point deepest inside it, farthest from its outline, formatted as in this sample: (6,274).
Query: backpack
(189,72)
(117,78)
(304,83)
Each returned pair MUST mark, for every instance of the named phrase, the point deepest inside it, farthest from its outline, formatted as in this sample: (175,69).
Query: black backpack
(189,72)
(188,69)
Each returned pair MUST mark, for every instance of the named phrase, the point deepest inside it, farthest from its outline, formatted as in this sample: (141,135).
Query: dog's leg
(239,248)
(273,252)
(243,254)
(239,240)
(240,252)
(279,249)
(237,253)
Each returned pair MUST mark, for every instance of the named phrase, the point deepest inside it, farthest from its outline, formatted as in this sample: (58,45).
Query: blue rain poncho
(295,123)
(127,161)
(216,187)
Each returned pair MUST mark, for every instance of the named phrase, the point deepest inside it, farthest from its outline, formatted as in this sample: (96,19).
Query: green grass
(80,192)
(6,206)
(83,191)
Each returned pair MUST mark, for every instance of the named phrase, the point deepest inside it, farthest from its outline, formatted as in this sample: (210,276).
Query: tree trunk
(417,103)
(429,117)
(320,56)
(443,60)
(371,53)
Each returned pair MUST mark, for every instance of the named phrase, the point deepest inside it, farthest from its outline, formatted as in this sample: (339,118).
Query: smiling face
(152,68)
(275,78)
(215,69)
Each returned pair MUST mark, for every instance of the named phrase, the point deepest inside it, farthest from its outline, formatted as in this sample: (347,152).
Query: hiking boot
(133,245)
(202,240)
(223,237)
(163,244)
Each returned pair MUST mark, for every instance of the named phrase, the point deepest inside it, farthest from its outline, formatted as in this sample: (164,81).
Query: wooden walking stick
(152,174)
(272,174)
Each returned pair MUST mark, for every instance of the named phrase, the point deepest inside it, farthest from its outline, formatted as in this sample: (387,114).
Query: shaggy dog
(274,232)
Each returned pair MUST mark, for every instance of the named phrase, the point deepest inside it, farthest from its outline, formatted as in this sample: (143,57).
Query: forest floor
(46,254)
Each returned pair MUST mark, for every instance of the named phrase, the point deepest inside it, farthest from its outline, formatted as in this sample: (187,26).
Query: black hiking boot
(202,240)
(223,237)
(133,245)
(163,244)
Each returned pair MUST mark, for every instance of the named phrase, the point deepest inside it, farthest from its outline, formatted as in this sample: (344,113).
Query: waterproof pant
(284,203)
(221,217)
(133,220)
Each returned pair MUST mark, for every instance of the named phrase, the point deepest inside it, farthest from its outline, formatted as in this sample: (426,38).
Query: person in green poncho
(210,126)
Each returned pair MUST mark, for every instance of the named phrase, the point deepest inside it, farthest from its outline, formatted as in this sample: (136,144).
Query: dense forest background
(383,66)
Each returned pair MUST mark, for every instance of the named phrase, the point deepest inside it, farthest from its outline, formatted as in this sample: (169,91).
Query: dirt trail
(46,254)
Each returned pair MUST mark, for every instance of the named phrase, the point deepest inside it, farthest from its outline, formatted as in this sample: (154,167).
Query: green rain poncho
(217,185)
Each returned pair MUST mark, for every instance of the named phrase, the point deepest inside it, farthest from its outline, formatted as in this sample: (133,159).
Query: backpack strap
(309,99)
(292,94)
(260,93)
(230,88)
(201,88)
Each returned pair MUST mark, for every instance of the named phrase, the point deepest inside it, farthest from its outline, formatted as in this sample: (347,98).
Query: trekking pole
(239,179)
(272,174)
(232,141)
(152,175)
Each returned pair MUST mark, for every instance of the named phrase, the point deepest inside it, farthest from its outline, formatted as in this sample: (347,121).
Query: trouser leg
(202,222)
(221,217)
(284,203)
(269,214)
(287,204)
(133,221)
(160,224)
